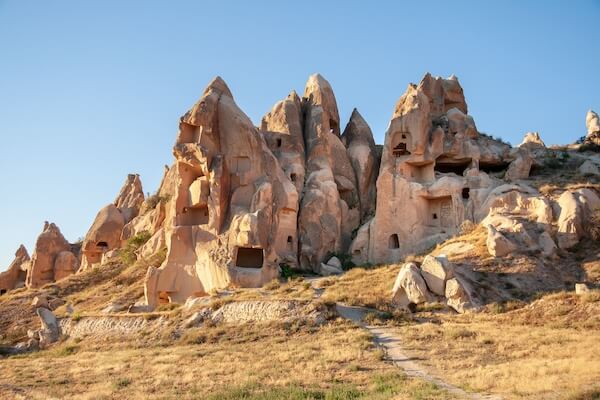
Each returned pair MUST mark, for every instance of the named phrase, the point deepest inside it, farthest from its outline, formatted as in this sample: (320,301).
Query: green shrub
(128,255)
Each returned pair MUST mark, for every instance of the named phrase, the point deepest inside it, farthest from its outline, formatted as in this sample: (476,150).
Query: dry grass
(370,287)
(258,361)
(548,347)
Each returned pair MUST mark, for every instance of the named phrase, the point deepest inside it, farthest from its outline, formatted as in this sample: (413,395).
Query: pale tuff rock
(362,153)
(430,177)
(582,288)
(547,245)
(130,198)
(233,212)
(458,295)
(103,235)
(409,287)
(592,123)
(497,244)
(436,271)
(576,207)
(14,277)
(520,167)
(532,140)
(50,329)
(65,264)
(43,268)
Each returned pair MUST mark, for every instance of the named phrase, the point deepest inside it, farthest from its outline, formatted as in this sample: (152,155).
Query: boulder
(436,271)
(50,329)
(589,168)
(40,301)
(327,270)
(576,207)
(497,244)
(457,295)
(520,167)
(335,262)
(547,245)
(410,287)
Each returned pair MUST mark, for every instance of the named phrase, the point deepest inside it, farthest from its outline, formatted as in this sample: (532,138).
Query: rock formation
(434,161)
(50,260)
(14,277)
(107,229)
(592,123)
(229,221)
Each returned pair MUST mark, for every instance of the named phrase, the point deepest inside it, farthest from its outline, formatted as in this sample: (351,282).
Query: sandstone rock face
(103,235)
(436,271)
(363,156)
(65,264)
(130,198)
(234,211)
(431,174)
(48,246)
(410,287)
(14,277)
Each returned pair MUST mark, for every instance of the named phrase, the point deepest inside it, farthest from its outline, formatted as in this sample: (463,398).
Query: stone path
(390,342)
(387,339)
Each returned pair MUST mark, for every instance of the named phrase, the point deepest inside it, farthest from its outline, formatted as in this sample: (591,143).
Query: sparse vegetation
(128,253)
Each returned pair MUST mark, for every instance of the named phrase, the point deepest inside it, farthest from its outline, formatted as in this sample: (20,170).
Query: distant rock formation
(14,277)
(51,259)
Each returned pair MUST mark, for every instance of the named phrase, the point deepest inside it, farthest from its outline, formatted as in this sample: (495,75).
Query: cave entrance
(102,246)
(3,291)
(452,167)
(492,167)
(394,241)
(290,243)
(465,193)
(248,257)
(333,126)
(401,144)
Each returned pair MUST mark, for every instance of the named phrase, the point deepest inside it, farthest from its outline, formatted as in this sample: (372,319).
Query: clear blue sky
(92,90)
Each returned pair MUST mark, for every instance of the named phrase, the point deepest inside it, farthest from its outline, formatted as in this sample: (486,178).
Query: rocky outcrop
(592,123)
(576,207)
(432,165)
(497,244)
(43,268)
(532,140)
(130,197)
(409,288)
(14,277)
(104,235)
(363,156)
(436,271)
(233,212)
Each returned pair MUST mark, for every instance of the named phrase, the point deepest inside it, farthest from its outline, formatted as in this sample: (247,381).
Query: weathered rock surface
(576,207)
(15,275)
(48,246)
(457,295)
(436,271)
(497,244)
(50,329)
(130,198)
(409,287)
(592,123)
(103,235)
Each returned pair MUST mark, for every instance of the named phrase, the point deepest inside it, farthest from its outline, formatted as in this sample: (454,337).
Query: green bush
(128,255)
